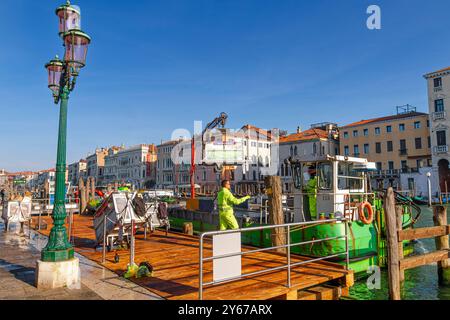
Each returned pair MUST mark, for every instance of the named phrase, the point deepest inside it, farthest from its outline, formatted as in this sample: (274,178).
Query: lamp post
(62,75)
(429,188)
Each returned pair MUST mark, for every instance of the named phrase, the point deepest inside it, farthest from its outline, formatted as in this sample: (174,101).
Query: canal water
(420,283)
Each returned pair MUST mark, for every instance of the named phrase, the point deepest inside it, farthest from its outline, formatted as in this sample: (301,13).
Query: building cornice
(439,73)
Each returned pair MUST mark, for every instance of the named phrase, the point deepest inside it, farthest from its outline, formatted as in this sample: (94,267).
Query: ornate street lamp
(69,18)
(62,76)
(76,43)
(55,69)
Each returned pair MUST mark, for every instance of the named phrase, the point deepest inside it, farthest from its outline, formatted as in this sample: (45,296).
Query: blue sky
(155,66)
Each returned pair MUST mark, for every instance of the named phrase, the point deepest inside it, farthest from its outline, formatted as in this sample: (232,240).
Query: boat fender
(362,216)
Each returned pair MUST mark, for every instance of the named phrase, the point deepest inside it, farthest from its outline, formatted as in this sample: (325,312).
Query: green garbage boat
(340,190)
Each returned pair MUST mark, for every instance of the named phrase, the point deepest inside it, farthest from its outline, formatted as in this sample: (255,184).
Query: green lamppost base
(57,255)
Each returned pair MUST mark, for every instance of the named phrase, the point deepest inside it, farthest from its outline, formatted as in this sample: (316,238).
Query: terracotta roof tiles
(382,119)
(306,135)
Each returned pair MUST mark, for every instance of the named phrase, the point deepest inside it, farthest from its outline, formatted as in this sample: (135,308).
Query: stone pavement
(18,255)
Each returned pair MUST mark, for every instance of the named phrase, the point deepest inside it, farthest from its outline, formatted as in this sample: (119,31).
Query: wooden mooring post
(440,219)
(399,215)
(397,264)
(392,245)
(276,216)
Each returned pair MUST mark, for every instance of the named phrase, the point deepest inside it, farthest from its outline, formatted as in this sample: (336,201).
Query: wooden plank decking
(176,267)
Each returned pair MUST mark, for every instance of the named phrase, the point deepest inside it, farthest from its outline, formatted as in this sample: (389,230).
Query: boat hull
(367,247)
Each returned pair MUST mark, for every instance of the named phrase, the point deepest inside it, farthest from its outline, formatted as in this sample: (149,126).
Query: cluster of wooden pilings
(397,263)
(86,192)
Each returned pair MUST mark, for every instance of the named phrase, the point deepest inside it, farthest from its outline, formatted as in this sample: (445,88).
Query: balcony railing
(437,89)
(440,115)
(440,149)
(394,172)
(403,152)
(389,172)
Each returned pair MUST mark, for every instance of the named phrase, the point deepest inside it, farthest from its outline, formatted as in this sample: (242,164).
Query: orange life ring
(362,216)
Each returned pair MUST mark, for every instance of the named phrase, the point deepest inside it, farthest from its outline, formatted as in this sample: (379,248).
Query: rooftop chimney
(299,129)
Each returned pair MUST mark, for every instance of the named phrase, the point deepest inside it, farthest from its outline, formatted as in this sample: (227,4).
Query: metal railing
(440,115)
(289,265)
(441,149)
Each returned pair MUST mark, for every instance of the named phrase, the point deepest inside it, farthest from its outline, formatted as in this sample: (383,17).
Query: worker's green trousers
(227,221)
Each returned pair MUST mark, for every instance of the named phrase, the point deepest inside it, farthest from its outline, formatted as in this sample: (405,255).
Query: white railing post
(288,252)
(200,278)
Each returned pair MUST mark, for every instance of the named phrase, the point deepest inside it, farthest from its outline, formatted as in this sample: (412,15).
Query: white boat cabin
(324,188)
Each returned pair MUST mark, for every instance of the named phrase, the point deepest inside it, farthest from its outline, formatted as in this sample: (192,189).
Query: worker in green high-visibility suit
(225,203)
(311,192)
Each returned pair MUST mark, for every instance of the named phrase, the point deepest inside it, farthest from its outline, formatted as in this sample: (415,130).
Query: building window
(379,166)
(437,82)
(346,151)
(404,164)
(390,146)
(419,163)
(366,132)
(366,148)
(356,150)
(418,143)
(378,147)
(388,129)
(345,135)
(429,142)
(402,147)
(439,105)
(391,165)
(417,125)
(441,138)
(401,127)
(355,133)
(377,131)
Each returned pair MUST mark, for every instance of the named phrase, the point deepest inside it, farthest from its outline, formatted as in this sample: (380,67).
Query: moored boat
(337,189)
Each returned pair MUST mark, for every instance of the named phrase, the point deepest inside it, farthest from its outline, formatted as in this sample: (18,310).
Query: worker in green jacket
(225,203)
(311,191)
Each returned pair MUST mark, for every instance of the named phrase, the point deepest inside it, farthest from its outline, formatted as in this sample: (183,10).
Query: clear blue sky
(155,66)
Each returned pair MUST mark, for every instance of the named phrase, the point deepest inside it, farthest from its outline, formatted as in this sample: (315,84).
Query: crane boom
(221,120)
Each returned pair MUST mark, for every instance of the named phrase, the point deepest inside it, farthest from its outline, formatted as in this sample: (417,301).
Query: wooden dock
(175,259)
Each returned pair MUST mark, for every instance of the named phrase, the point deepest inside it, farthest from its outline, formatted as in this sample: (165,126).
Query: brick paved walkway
(18,255)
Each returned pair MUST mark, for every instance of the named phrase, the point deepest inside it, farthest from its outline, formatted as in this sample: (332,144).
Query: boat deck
(175,259)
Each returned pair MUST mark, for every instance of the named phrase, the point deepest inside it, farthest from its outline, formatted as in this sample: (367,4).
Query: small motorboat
(419,200)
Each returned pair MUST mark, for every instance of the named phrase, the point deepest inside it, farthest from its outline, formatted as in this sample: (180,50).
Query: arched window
(282,170)
(295,150)
(314,148)
(292,151)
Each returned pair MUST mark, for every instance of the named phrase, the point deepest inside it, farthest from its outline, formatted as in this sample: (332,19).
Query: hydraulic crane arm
(221,120)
